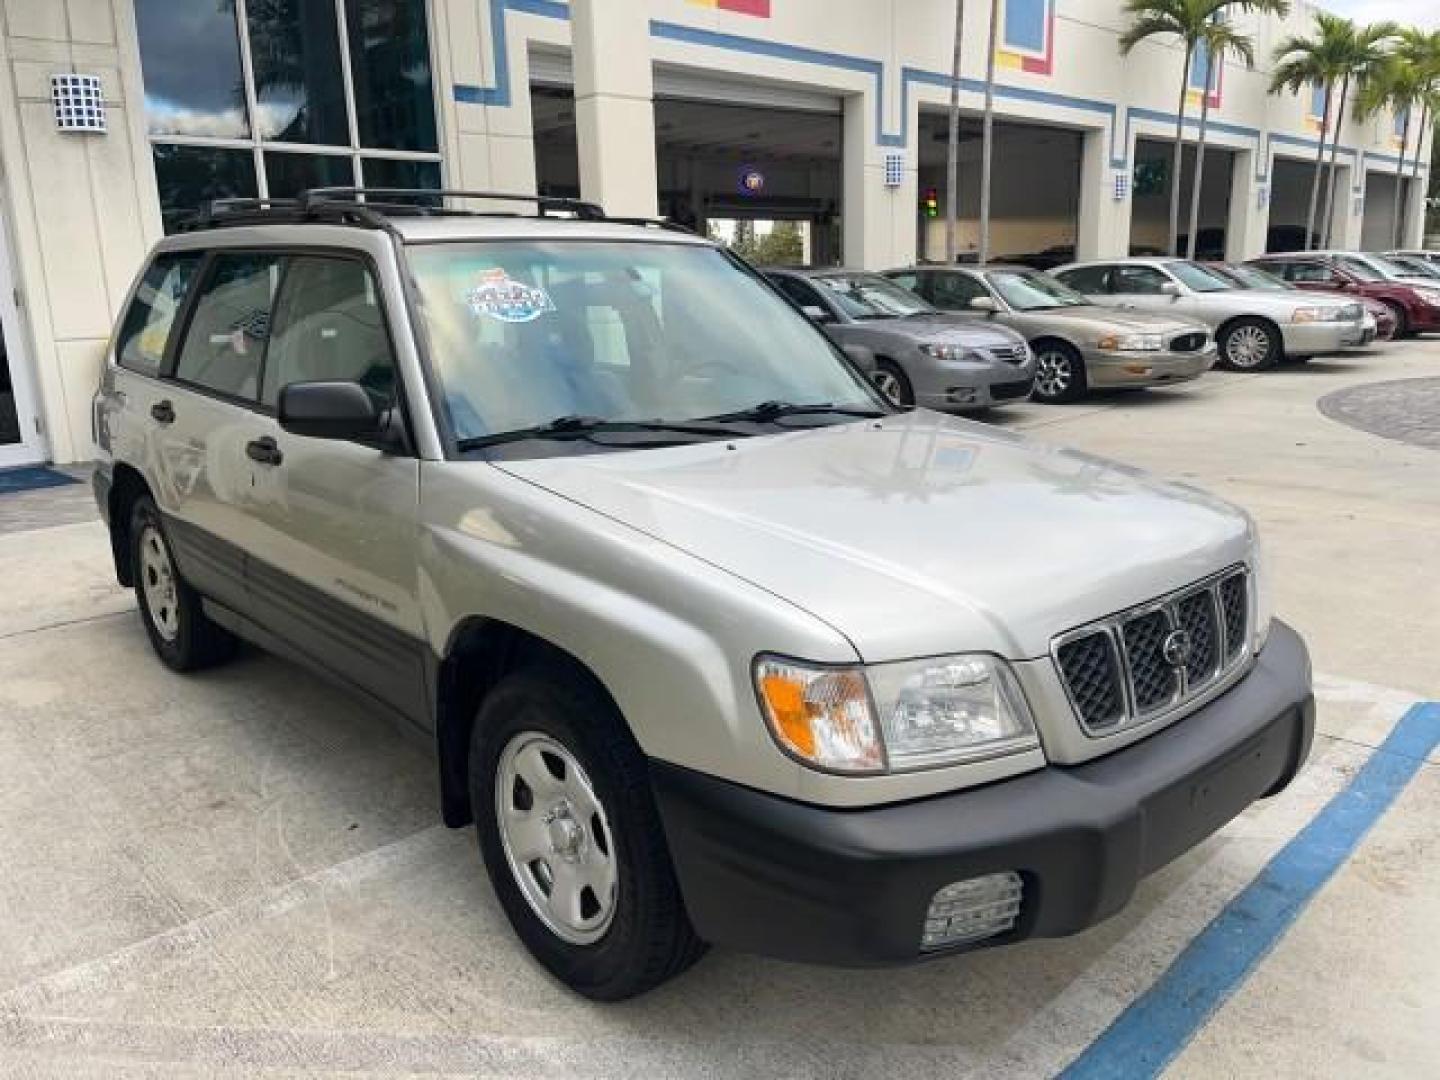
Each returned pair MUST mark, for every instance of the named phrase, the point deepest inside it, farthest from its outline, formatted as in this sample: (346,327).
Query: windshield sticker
(499,296)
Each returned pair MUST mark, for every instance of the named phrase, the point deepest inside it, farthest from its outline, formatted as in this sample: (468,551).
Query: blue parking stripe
(1161,1022)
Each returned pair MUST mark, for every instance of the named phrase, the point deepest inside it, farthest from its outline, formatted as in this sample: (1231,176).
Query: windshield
(1026,290)
(1198,278)
(1249,277)
(1359,268)
(870,296)
(522,333)
(1413,266)
(1390,267)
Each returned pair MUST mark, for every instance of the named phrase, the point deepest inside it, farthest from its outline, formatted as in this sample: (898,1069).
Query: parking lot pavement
(242,872)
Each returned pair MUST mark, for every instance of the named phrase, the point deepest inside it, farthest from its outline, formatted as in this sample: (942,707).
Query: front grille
(1192,342)
(1006,390)
(1144,662)
(1010,354)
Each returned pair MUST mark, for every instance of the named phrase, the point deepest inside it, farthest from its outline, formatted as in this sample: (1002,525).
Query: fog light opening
(960,395)
(972,910)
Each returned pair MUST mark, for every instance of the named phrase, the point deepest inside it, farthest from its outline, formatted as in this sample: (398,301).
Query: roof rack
(373,207)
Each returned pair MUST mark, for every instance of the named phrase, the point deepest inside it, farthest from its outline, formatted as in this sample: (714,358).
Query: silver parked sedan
(1253,329)
(923,356)
(1077,343)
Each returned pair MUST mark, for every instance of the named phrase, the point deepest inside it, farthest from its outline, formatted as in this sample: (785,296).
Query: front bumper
(1314,338)
(1147,368)
(760,873)
(964,385)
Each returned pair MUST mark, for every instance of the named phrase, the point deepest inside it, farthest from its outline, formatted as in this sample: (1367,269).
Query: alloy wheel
(1247,346)
(157,578)
(889,385)
(556,837)
(1053,373)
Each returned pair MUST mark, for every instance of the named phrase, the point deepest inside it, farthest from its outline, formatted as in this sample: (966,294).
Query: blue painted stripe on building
(500,93)
(1159,1024)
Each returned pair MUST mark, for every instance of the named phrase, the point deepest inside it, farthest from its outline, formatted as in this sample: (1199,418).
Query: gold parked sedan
(1077,344)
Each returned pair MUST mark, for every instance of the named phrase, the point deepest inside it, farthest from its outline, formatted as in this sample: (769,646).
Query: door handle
(163,412)
(265,450)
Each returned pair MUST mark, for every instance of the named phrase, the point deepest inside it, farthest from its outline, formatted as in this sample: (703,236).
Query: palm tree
(1219,39)
(1366,55)
(952,152)
(1301,63)
(1421,51)
(1396,86)
(1187,20)
(987,134)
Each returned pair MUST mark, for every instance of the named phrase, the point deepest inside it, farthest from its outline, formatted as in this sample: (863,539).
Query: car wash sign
(759,8)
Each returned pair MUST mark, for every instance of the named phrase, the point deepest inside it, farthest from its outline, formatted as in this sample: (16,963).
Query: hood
(975,332)
(1111,320)
(1272,300)
(919,534)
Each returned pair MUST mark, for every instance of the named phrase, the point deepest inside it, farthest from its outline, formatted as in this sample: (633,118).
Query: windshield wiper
(772,410)
(582,427)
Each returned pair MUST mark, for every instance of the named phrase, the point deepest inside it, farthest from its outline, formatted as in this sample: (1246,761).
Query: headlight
(1262,600)
(945,351)
(1305,314)
(1131,343)
(893,717)
(1430,296)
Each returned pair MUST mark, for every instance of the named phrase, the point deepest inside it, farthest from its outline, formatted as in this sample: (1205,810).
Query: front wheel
(1059,373)
(571,837)
(1249,345)
(894,384)
(1402,321)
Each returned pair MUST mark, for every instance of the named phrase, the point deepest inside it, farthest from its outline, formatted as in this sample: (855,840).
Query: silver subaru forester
(711,644)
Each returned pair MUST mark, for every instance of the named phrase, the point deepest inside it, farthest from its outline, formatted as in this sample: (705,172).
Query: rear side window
(1086,279)
(145,331)
(224,346)
(329,325)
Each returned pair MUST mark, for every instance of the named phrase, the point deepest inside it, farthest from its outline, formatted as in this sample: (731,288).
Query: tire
(1059,373)
(613,946)
(1249,344)
(1402,321)
(182,635)
(894,384)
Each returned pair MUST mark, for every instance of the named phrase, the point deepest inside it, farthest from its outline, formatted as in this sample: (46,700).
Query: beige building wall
(80,209)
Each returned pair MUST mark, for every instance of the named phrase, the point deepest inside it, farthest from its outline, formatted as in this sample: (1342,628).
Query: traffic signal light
(931,203)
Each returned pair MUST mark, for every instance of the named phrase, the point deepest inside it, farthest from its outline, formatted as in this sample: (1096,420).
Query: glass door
(20,442)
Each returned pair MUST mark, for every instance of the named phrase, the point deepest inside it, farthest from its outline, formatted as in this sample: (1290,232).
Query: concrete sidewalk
(243,873)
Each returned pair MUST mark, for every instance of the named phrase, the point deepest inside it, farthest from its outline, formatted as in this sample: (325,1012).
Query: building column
(614,106)
(1249,218)
(877,222)
(1412,225)
(1347,216)
(1103,230)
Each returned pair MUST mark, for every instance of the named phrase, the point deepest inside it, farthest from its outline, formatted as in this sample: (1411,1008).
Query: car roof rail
(372,207)
(545,205)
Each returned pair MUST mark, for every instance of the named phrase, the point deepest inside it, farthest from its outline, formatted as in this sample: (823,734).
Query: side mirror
(817,314)
(862,357)
(329,410)
(984,303)
(1169,288)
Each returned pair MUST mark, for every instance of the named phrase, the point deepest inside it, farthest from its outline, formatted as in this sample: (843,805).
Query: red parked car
(1253,277)
(1415,304)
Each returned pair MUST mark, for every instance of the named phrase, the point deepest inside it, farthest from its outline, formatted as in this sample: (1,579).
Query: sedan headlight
(1131,343)
(945,351)
(1263,601)
(1430,296)
(894,717)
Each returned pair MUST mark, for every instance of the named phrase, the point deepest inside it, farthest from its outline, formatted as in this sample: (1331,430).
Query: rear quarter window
(150,319)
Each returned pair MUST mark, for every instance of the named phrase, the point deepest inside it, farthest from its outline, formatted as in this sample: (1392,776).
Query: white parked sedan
(1252,328)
